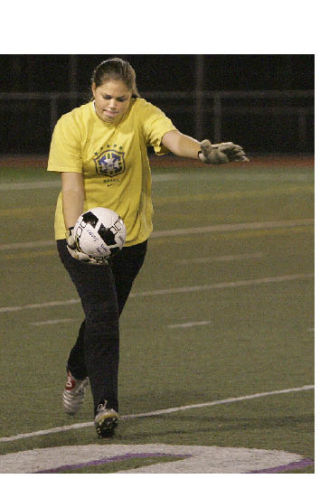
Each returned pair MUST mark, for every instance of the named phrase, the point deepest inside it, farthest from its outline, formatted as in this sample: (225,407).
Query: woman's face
(112,99)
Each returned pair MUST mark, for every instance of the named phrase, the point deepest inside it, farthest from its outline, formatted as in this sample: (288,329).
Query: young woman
(100,149)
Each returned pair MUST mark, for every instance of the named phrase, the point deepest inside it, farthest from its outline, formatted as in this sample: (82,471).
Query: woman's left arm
(186,146)
(180,144)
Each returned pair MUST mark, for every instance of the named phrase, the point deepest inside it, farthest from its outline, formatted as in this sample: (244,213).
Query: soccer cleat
(106,420)
(73,394)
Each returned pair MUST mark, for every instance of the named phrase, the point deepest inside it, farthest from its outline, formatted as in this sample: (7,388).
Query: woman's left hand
(221,152)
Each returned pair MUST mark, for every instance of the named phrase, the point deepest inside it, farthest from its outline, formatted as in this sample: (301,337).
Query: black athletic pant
(103,291)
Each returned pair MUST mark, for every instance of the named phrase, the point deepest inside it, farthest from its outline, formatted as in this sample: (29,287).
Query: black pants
(103,291)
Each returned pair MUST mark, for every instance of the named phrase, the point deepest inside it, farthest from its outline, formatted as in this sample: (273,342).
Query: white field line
(156,178)
(158,412)
(30,185)
(35,185)
(48,304)
(189,325)
(232,284)
(67,320)
(185,231)
(26,245)
(211,259)
(184,289)
(234,227)
(53,321)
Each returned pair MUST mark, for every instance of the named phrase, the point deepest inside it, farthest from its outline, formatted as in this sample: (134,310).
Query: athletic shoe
(73,394)
(106,420)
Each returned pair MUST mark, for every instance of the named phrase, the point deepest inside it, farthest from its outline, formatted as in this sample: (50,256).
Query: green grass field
(219,326)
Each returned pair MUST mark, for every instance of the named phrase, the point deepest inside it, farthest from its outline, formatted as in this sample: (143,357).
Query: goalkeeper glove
(221,153)
(76,253)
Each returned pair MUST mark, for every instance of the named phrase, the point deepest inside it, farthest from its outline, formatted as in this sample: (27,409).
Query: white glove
(221,152)
(76,252)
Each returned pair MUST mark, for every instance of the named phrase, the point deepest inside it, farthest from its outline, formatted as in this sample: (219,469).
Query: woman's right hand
(77,254)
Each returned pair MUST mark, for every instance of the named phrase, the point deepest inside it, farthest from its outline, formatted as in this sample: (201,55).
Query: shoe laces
(102,406)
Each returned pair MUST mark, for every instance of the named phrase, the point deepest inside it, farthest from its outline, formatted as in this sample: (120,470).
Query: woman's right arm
(72,197)
(72,206)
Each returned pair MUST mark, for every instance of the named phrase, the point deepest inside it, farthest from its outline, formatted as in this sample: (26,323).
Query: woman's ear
(93,89)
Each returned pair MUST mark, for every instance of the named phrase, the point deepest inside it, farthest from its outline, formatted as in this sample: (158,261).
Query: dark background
(34,73)
(26,126)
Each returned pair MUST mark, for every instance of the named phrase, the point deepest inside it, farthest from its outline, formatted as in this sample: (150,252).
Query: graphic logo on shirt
(110,162)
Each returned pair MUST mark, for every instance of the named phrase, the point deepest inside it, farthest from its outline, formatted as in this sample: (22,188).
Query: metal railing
(213,102)
(217,104)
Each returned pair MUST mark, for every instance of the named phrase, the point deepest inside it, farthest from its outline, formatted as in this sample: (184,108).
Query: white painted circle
(197,459)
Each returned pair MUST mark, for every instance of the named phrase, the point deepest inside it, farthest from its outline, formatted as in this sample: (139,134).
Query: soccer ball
(99,233)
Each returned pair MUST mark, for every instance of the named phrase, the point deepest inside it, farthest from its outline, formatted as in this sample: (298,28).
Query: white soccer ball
(99,232)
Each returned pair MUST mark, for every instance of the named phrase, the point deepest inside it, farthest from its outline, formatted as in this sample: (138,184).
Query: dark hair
(116,69)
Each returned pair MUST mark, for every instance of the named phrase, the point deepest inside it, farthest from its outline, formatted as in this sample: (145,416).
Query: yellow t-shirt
(113,160)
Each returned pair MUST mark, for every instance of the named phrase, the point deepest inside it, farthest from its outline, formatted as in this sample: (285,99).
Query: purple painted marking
(286,467)
(123,457)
